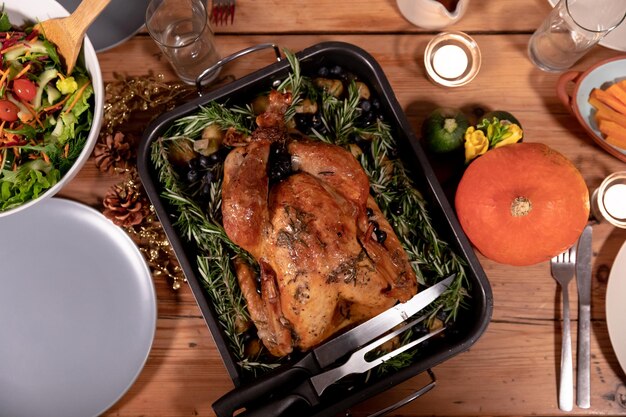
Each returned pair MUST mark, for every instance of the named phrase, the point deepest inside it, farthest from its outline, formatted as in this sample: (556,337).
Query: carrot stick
(616,142)
(613,129)
(609,100)
(606,112)
(618,92)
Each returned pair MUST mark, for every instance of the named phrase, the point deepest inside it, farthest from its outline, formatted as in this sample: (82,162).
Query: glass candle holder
(608,202)
(452,59)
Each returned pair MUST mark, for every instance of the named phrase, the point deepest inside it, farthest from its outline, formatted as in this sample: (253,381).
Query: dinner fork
(223,11)
(562,267)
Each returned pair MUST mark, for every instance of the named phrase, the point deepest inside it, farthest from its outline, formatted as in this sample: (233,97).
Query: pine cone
(114,152)
(125,205)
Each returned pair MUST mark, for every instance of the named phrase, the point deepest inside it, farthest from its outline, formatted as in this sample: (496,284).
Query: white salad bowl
(23,11)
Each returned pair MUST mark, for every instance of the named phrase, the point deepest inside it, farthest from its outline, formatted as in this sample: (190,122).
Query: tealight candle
(450,61)
(608,201)
(615,201)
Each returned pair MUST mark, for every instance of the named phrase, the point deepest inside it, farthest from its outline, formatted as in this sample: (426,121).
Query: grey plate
(77,311)
(120,20)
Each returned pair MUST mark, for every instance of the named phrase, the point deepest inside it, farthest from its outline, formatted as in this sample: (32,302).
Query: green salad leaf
(28,182)
(4,21)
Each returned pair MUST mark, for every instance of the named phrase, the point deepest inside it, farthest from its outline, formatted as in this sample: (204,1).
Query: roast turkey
(327,257)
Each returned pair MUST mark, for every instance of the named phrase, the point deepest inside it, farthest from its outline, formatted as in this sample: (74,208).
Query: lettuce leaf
(5,25)
(69,125)
(28,182)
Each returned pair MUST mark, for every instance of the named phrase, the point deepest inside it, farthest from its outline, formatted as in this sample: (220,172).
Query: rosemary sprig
(228,302)
(299,85)
(241,119)
(213,245)
(431,257)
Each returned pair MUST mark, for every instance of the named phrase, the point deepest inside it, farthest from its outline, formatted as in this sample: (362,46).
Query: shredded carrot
(78,95)
(55,105)
(4,77)
(12,47)
(2,127)
(23,71)
(66,150)
(33,112)
(45,157)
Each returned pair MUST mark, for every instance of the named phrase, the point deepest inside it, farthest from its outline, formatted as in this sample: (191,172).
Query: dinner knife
(583,282)
(310,390)
(327,354)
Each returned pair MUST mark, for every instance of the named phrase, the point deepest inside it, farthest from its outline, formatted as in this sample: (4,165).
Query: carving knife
(329,353)
(310,390)
(583,282)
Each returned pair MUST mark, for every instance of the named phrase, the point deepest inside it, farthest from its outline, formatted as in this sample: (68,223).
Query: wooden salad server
(67,33)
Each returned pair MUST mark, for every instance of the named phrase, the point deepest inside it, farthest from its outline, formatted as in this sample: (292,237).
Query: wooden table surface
(512,370)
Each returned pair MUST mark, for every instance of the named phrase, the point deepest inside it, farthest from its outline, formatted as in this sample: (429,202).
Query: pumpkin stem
(521,206)
(450,125)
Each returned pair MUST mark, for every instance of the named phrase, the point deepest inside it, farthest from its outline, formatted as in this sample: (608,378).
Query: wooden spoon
(67,33)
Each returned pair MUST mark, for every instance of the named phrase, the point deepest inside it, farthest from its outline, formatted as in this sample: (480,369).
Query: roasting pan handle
(409,398)
(219,64)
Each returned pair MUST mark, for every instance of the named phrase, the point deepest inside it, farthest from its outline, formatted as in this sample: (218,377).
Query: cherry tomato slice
(25,89)
(8,111)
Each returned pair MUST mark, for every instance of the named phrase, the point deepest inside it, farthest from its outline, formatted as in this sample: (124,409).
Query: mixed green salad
(45,114)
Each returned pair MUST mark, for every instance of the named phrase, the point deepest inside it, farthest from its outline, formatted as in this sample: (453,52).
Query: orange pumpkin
(522,204)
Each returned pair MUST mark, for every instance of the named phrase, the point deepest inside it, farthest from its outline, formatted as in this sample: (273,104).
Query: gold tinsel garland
(130,104)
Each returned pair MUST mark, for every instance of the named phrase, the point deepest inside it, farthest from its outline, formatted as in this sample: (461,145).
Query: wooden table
(512,369)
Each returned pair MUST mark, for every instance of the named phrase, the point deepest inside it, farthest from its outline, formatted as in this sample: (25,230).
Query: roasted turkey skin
(321,266)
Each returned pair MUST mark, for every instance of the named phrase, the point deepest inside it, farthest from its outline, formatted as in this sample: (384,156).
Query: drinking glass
(571,29)
(181,29)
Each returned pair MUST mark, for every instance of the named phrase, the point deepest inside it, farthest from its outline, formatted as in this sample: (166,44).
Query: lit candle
(615,201)
(450,61)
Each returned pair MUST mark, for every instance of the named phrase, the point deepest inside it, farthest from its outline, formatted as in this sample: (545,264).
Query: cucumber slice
(35,46)
(44,78)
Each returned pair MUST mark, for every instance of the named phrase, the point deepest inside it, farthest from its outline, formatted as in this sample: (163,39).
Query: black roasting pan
(472,322)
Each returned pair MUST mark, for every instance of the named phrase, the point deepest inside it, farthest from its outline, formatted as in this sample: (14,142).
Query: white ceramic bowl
(21,11)
(576,99)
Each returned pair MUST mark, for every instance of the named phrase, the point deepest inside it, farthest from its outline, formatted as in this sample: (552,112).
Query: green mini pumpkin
(443,130)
